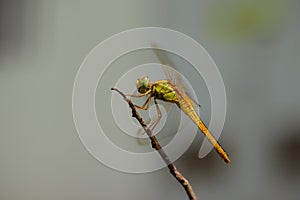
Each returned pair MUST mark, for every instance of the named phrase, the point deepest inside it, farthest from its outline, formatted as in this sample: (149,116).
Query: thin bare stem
(155,144)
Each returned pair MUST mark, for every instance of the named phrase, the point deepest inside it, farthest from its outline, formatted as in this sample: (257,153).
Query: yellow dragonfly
(168,91)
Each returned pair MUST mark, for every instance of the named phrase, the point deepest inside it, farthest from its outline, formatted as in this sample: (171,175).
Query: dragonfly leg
(145,106)
(138,95)
(153,125)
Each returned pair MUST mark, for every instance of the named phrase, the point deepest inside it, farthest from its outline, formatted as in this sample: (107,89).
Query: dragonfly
(166,90)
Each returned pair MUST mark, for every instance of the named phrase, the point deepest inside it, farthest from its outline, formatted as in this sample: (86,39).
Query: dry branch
(155,144)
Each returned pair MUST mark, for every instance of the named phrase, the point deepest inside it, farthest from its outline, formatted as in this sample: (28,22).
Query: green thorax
(164,90)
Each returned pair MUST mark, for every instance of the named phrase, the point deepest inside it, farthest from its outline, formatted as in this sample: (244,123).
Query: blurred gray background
(256,46)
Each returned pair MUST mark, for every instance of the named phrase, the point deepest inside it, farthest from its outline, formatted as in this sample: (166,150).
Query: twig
(155,144)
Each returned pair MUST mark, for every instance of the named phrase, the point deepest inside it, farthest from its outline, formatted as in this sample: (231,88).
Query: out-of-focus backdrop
(256,46)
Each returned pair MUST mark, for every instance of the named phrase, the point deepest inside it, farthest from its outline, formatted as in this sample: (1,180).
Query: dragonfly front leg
(139,95)
(145,106)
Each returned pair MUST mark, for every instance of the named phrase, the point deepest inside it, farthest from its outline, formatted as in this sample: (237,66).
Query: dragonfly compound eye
(143,84)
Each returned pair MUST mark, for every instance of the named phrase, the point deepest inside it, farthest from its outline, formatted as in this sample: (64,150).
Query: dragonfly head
(143,84)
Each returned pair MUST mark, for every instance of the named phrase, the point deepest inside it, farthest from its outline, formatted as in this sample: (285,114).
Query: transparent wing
(166,63)
(171,72)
